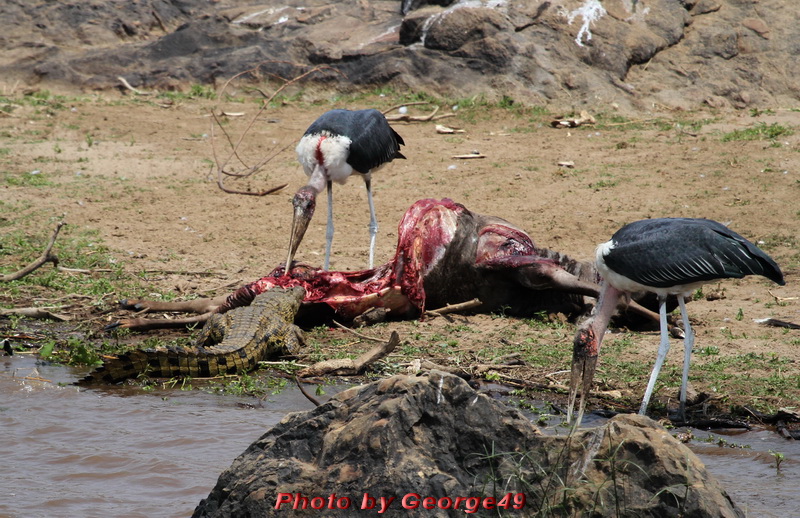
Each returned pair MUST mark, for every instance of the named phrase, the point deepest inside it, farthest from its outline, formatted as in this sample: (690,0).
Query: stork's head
(304,203)
(584,361)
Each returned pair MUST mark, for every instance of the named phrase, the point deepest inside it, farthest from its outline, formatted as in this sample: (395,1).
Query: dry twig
(782,299)
(453,308)
(305,393)
(348,367)
(34,313)
(405,117)
(128,86)
(469,156)
(234,147)
(46,257)
(360,335)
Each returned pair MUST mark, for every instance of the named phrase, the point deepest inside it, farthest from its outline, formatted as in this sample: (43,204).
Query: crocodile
(229,343)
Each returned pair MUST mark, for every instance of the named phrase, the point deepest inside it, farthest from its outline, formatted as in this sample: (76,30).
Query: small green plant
(779,458)
(81,352)
(755,112)
(709,350)
(31,179)
(760,131)
(601,184)
(47,349)
(249,385)
(493,376)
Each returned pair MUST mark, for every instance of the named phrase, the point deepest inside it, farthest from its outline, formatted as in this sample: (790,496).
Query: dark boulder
(409,438)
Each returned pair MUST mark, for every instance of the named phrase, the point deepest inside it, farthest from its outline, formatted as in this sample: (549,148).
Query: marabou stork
(667,256)
(338,144)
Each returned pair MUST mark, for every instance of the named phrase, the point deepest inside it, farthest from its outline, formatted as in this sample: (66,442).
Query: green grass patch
(33,178)
(94,269)
(761,131)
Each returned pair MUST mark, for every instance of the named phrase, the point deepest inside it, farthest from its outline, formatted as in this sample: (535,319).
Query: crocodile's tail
(194,362)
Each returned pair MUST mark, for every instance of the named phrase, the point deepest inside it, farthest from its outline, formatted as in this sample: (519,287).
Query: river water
(75,452)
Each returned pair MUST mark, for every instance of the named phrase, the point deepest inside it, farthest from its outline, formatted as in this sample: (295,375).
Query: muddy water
(88,453)
(746,469)
(91,453)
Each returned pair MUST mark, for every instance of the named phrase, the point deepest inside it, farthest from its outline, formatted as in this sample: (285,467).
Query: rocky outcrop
(395,442)
(633,53)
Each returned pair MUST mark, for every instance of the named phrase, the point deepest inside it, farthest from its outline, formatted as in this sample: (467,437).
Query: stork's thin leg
(373,221)
(663,348)
(688,343)
(329,230)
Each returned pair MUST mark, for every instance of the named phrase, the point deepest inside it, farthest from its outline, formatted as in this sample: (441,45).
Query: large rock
(635,54)
(409,438)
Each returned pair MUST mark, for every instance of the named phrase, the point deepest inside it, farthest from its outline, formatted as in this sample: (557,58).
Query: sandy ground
(139,172)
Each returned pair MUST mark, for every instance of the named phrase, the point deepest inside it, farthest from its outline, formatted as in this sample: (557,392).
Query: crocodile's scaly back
(230,343)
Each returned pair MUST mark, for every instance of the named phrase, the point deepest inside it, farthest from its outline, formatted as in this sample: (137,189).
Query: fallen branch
(305,393)
(34,313)
(234,147)
(453,308)
(398,106)
(82,270)
(127,85)
(360,335)
(782,299)
(221,173)
(348,367)
(444,130)
(46,257)
(405,117)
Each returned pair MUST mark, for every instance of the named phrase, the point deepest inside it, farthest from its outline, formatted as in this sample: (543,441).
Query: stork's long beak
(304,203)
(586,348)
(584,362)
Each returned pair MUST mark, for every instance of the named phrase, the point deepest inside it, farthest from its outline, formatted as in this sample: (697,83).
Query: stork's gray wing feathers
(669,252)
(373,141)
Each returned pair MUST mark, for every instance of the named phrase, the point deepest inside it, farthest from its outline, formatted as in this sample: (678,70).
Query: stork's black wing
(672,251)
(373,141)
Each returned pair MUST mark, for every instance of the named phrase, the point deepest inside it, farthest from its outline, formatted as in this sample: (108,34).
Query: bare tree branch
(221,165)
(453,308)
(46,257)
(348,367)
(34,313)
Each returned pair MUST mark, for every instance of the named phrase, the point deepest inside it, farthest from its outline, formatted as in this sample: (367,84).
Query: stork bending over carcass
(668,256)
(337,144)
(445,255)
